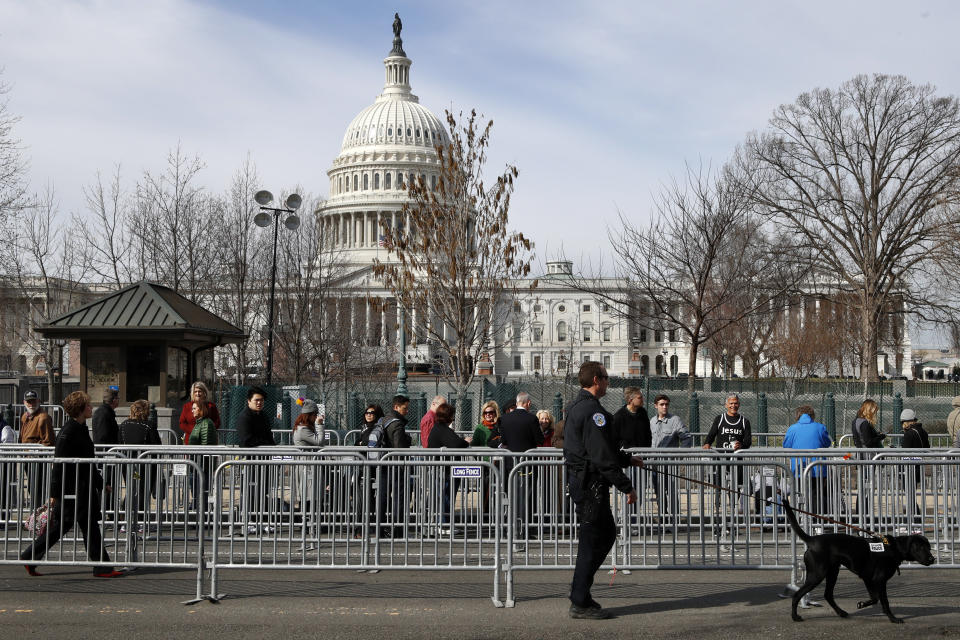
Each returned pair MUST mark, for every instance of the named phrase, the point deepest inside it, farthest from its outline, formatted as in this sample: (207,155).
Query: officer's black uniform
(594,463)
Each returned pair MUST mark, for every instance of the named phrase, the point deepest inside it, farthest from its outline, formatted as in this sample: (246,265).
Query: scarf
(489,423)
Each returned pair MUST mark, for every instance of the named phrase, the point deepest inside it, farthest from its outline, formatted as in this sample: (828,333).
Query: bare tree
(458,260)
(244,266)
(12,164)
(172,217)
(47,264)
(863,176)
(104,236)
(701,266)
(309,270)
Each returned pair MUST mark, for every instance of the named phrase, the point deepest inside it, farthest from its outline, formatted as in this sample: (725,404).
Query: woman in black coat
(82,480)
(442,436)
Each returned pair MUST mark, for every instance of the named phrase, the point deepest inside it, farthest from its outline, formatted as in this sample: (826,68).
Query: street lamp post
(267,216)
(402,360)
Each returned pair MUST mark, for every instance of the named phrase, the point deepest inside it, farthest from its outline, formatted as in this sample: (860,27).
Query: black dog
(826,553)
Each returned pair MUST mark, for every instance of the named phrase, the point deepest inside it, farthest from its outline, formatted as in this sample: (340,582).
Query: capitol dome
(393,120)
(385,146)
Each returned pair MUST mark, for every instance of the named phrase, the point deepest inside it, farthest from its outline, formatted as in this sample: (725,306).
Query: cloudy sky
(597,103)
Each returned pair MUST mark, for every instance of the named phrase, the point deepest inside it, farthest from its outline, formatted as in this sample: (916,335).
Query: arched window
(399,180)
(433,182)
(340,188)
(561,331)
(376,181)
(386,180)
(355,182)
(366,182)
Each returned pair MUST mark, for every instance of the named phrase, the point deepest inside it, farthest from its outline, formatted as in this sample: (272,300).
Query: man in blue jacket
(807,434)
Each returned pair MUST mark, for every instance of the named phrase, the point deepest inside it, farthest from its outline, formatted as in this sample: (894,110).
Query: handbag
(37,522)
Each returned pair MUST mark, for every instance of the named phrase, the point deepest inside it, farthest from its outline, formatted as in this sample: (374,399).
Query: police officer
(594,463)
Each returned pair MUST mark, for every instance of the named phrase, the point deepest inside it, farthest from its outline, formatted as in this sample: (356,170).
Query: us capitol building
(557,326)
(384,147)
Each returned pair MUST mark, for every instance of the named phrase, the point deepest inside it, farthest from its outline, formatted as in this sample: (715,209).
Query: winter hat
(908,415)
(309,406)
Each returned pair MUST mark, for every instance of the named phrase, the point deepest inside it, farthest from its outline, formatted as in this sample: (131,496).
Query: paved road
(67,602)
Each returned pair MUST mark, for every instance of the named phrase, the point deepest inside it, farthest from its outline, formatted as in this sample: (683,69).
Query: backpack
(378,436)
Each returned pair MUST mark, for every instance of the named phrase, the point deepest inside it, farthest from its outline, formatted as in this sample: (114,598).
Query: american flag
(382,242)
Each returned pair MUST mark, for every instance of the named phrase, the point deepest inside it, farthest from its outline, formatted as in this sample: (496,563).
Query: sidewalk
(68,602)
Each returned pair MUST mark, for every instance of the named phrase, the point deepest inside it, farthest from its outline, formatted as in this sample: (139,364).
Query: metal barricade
(169,437)
(357,514)
(136,517)
(889,497)
(898,494)
(893,440)
(57,415)
(679,522)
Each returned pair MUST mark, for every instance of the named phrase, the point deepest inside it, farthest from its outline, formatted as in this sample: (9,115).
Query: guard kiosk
(147,340)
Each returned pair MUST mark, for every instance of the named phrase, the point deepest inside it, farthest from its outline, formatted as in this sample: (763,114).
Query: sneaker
(588,612)
(113,573)
(253,528)
(32,570)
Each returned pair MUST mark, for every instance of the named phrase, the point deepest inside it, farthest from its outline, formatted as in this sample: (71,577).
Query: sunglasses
(369,413)
(489,413)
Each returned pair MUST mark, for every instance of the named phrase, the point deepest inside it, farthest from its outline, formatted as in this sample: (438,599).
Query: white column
(368,333)
(383,324)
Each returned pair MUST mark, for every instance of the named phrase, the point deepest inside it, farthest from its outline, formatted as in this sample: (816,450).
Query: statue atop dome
(397,41)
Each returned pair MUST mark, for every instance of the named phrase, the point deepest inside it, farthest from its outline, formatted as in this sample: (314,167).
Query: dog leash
(769,501)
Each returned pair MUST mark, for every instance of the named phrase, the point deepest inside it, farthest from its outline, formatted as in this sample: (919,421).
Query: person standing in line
(36,427)
(365,481)
(631,429)
(307,428)
(864,427)
(74,492)
(730,432)
(521,432)
(866,436)
(442,436)
(594,464)
(253,430)
(307,433)
(198,393)
(953,422)
(429,419)
(914,437)
(137,430)
(667,430)
(7,471)
(807,434)
(631,424)
(487,434)
(393,498)
(105,427)
(546,426)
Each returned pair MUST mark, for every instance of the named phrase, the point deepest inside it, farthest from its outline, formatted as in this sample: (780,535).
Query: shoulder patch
(599,419)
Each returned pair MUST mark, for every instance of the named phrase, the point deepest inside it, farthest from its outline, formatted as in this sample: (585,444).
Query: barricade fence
(470,509)
(100,513)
